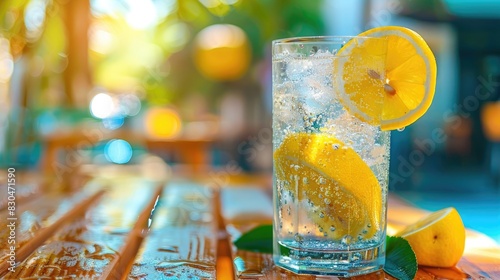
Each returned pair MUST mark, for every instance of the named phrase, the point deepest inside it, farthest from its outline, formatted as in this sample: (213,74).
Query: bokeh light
(162,123)
(101,38)
(34,17)
(490,115)
(118,151)
(175,36)
(102,106)
(130,104)
(141,14)
(222,52)
(210,3)
(229,2)
(46,123)
(6,61)
(114,109)
(113,122)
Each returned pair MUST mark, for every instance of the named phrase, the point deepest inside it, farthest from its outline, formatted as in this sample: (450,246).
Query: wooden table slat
(84,248)
(35,215)
(119,266)
(183,237)
(23,193)
(42,235)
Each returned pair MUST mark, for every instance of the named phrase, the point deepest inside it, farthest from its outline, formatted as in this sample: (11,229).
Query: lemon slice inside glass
(404,85)
(333,178)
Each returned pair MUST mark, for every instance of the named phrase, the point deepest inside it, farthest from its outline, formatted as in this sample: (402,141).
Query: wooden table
(193,152)
(128,227)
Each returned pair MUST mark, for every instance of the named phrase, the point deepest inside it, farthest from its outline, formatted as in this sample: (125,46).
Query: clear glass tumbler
(331,158)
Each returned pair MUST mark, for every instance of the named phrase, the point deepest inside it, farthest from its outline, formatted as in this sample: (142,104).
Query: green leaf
(400,260)
(259,239)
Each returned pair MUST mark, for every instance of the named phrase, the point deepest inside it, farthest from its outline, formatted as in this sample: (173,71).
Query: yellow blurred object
(437,239)
(490,116)
(222,52)
(407,83)
(334,174)
(162,123)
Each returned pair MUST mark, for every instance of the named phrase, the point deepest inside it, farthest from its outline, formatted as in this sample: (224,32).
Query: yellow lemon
(438,239)
(331,176)
(393,94)
(222,52)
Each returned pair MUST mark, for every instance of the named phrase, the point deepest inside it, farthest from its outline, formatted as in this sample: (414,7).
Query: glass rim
(319,39)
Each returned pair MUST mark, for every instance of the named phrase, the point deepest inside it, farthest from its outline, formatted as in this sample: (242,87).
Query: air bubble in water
(356,257)
(299,238)
(347,239)
(401,129)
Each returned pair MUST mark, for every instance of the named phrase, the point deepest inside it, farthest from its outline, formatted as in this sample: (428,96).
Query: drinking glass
(331,158)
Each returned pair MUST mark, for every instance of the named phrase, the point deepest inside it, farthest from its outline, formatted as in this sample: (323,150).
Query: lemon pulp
(333,178)
(393,94)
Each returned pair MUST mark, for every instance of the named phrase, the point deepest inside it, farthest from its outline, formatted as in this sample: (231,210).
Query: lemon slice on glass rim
(393,94)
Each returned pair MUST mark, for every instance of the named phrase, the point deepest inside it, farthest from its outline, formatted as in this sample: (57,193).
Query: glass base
(337,263)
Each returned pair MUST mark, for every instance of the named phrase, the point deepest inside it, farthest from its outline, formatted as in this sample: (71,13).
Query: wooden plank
(242,209)
(42,235)
(35,215)
(23,193)
(224,266)
(120,266)
(183,237)
(84,248)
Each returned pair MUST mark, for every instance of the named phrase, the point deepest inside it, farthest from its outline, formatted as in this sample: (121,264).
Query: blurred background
(113,82)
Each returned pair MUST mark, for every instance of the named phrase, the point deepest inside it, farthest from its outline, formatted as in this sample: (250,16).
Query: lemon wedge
(438,239)
(393,94)
(331,176)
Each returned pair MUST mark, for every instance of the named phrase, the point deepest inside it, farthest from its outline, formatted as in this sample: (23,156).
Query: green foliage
(132,59)
(11,19)
(258,239)
(400,260)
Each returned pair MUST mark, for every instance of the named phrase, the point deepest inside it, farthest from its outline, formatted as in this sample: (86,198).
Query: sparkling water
(306,97)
